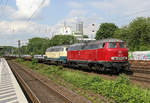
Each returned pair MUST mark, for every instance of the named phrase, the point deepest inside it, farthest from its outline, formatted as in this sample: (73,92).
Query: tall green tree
(106,30)
(38,45)
(24,50)
(140,34)
(7,50)
(136,34)
(123,34)
(63,40)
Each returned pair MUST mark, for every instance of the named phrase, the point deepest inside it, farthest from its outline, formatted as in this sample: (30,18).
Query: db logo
(120,53)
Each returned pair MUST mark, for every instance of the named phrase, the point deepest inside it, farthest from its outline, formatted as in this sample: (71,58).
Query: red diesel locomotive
(102,55)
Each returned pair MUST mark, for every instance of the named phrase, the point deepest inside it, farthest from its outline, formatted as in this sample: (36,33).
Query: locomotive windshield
(102,45)
(112,45)
(122,45)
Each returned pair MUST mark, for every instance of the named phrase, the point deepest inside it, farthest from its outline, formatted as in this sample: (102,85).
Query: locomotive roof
(77,44)
(59,46)
(107,40)
(99,41)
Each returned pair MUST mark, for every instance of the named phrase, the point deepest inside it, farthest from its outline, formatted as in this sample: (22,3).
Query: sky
(25,19)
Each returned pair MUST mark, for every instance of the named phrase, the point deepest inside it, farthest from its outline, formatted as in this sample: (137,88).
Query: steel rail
(67,100)
(29,92)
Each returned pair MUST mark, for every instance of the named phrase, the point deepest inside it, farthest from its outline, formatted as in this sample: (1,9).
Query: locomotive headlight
(119,58)
(112,58)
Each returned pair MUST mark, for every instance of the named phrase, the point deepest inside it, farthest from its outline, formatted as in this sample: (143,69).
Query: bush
(34,61)
(19,60)
(123,80)
(121,90)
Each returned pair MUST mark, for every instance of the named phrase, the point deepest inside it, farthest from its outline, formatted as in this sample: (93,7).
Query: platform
(10,91)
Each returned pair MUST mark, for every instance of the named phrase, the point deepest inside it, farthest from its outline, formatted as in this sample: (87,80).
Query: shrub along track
(43,92)
(140,76)
(140,69)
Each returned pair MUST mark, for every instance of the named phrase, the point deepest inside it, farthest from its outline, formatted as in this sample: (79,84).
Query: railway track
(39,92)
(140,78)
(140,71)
(145,71)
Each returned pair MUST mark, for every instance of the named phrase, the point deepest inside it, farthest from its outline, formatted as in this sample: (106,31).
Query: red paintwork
(104,54)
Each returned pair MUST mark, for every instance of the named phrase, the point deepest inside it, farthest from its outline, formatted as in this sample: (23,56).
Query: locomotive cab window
(77,47)
(112,45)
(101,45)
(66,49)
(122,45)
(62,49)
(94,46)
(90,46)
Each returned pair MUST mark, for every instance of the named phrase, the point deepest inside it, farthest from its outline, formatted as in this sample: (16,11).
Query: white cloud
(121,7)
(13,24)
(6,11)
(77,13)
(23,28)
(102,5)
(74,4)
(121,12)
(25,8)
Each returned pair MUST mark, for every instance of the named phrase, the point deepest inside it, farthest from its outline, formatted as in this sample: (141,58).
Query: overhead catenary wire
(36,11)
(41,4)
(137,12)
(1,2)
(5,5)
(131,14)
(29,19)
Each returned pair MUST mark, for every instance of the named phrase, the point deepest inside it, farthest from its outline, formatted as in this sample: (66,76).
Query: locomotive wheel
(100,68)
(115,71)
(92,67)
(127,72)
